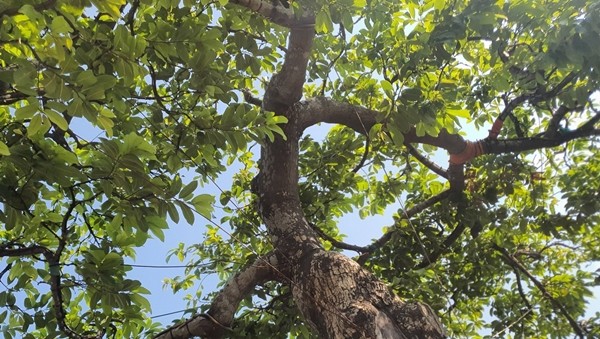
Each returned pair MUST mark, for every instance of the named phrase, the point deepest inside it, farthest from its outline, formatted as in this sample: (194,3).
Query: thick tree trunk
(336,296)
(340,299)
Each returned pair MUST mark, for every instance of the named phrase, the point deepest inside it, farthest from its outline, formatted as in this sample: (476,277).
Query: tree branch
(285,87)
(337,243)
(220,315)
(428,163)
(276,13)
(552,129)
(22,251)
(515,264)
(452,237)
(521,290)
(251,99)
(527,144)
(320,109)
(418,208)
(55,283)
(11,98)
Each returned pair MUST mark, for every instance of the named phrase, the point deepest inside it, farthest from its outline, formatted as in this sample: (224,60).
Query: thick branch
(216,321)
(527,144)
(360,119)
(321,109)
(23,251)
(285,87)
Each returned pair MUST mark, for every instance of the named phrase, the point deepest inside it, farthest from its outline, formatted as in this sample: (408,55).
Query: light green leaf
(204,204)
(461,113)
(60,25)
(4,148)
(57,119)
(26,112)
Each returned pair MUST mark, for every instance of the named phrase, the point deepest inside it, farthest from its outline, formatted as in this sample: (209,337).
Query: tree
(508,228)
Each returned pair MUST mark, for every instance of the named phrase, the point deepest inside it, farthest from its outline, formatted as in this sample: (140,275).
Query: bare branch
(220,315)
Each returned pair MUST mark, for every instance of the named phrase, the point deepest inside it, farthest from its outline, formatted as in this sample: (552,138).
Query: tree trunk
(337,297)
(340,299)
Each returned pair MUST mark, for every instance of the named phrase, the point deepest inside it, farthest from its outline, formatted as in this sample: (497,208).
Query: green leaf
(86,78)
(55,86)
(57,119)
(106,123)
(187,212)
(110,7)
(188,190)
(26,112)
(412,94)
(141,301)
(60,25)
(35,125)
(461,113)
(203,204)
(4,148)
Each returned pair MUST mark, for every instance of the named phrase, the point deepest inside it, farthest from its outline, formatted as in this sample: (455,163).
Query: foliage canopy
(509,228)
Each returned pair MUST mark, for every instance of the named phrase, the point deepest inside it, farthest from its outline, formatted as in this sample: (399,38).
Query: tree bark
(215,323)
(336,296)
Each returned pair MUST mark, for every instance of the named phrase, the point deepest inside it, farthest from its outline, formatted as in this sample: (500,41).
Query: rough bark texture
(336,296)
(340,299)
